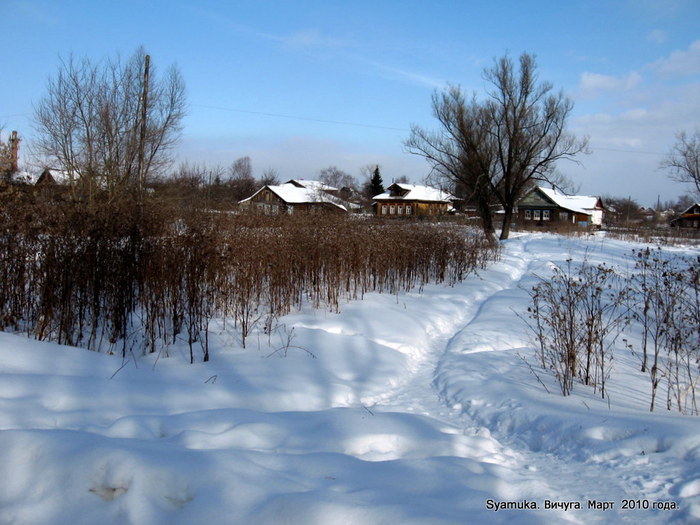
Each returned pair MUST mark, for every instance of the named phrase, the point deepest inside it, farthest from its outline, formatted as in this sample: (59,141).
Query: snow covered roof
(294,194)
(692,210)
(24,177)
(58,176)
(576,203)
(311,184)
(413,192)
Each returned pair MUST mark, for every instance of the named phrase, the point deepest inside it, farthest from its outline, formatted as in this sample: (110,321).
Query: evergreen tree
(376,183)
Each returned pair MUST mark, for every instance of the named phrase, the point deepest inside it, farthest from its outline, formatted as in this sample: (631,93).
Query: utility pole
(14,152)
(142,135)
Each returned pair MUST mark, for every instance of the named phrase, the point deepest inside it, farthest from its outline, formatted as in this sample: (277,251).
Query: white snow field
(409,409)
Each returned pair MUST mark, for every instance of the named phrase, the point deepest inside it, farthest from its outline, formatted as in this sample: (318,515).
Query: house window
(408,209)
(392,209)
(528,215)
(383,209)
(536,215)
(563,216)
(400,209)
(545,215)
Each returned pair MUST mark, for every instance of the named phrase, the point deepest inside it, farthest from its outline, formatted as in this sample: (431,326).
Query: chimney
(14,152)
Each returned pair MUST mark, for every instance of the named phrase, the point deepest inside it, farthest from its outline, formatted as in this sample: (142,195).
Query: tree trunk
(507,221)
(486,218)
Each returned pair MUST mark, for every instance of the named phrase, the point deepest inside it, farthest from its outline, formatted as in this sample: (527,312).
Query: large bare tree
(683,161)
(334,176)
(494,150)
(110,125)
(461,152)
(241,181)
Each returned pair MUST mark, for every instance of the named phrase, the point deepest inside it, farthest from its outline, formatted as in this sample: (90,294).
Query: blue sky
(299,86)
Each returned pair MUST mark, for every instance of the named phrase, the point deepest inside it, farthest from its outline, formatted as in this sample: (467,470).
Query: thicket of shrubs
(121,277)
(579,313)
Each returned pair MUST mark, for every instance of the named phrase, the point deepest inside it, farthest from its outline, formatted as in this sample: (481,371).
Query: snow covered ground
(411,409)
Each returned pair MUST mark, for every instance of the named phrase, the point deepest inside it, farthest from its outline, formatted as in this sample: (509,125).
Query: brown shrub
(114,276)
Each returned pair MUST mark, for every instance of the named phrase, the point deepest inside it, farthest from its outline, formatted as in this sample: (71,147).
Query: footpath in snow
(417,409)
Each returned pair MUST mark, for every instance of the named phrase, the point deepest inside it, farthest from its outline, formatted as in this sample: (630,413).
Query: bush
(115,277)
(578,314)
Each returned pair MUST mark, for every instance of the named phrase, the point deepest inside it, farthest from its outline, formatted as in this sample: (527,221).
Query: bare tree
(462,153)
(683,161)
(498,147)
(110,125)
(622,211)
(241,183)
(334,176)
(269,177)
(241,168)
(682,203)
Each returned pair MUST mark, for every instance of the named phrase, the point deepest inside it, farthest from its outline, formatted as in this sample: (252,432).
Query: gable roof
(412,192)
(315,185)
(47,176)
(293,192)
(576,203)
(692,211)
(53,176)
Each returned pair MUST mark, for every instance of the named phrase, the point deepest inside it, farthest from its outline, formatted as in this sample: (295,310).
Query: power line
(341,123)
(15,115)
(628,151)
(297,117)
(372,126)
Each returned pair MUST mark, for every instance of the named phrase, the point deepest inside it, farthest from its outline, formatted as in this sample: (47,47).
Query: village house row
(540,207)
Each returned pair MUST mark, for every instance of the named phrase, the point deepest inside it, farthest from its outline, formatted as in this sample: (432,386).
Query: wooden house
(52,183)
(294,196)
(690,218)
(408,200)
(542,206)
(49,177)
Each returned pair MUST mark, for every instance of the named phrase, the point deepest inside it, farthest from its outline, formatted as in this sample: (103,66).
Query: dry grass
(116,277)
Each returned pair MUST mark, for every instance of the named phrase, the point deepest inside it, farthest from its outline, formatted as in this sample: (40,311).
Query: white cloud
(632,124)
(657,36)
(593,83)
(680,62)
(312,39)
(305,38)
(630,138)
(412,77)
(664,10)
(635,115)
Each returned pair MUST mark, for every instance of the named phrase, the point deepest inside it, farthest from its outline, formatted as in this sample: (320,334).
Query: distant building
(690,218)
(294,196)
(542,206)
(408,200)
(51,177)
